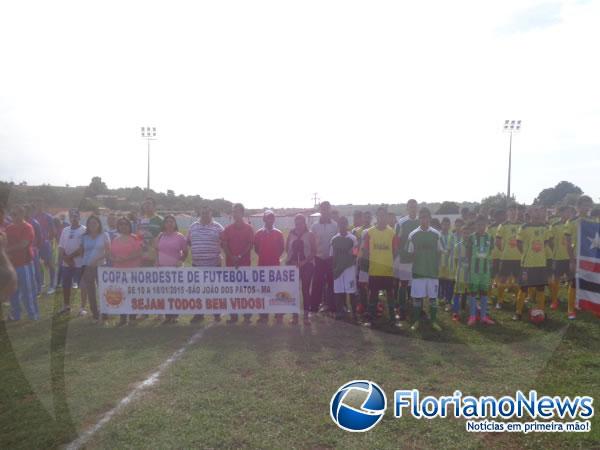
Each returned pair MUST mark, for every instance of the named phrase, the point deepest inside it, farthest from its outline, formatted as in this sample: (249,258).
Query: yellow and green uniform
(508,234)
(444,272)
(458,262)
(480,254)
(534,263)
(492,231)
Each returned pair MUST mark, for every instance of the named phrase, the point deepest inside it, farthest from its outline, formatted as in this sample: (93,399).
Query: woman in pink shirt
(125,252)
(171,247)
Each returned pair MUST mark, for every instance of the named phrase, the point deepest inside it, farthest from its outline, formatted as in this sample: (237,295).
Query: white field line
(137,390)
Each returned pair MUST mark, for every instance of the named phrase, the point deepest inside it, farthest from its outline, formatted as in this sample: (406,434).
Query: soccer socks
(501,292)
(472,306)
(531,295)
(520,301)
(571,303)
(484,306)
(554,286)
(416,309)
(433,307)
(540,299)
(402,298)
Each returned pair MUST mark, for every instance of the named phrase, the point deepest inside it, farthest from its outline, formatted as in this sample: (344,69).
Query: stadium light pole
(510,126)
(149,133)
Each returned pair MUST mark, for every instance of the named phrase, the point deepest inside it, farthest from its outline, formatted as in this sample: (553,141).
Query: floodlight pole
(509,165)
(149,133)
(511,126)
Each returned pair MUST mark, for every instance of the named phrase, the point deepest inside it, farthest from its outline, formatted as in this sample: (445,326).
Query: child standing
(344,248)
(479,251)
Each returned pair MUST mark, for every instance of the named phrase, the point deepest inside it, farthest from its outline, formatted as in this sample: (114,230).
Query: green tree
(96,187)
(448,208)
(554,195)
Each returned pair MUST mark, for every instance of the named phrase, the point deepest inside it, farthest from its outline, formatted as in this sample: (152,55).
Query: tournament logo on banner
(199,290)
(588,266)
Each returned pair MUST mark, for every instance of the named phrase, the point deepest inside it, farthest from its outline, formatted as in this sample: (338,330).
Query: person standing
(95,247)
(380,247)
(425,247)
(126,252)
(269,246)
(238,240)
(47,235)
(19,241)
(37,244)
(204,241)
(344,249)
(69,250)
(362,263)
(301,247)
(148,227)
(323,230)
(405,226)
(172,250)
(111,223)
(479,253)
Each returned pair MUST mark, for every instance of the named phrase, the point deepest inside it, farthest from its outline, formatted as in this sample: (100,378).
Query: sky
(268,102)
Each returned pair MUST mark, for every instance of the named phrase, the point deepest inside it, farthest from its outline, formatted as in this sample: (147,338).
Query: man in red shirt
(19,237)
(268,245)
(237,242)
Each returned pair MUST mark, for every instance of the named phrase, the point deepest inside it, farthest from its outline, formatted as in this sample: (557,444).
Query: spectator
(204,240)
(301,247)
(171,248)
(47,235)
(95,248)
(126,252)
(268,245)
(19,240)
(69,249)
(37,244)
(324,230)
(238,239)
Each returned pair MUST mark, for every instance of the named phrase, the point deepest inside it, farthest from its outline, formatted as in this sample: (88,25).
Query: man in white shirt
(69,250)
(324,230)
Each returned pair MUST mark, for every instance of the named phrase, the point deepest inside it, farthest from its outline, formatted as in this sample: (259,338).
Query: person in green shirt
(479,253)
(403,267)
(425,248)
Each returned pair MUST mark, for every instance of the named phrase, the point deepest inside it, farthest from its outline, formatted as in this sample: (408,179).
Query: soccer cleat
(368,324)
(397,324)
(498,305)
(82,312)
(436,326)
(572,316)
(487,321)
(455,317)
(554,305)
(516,317)
(51,291)
(415,326)
(472,321)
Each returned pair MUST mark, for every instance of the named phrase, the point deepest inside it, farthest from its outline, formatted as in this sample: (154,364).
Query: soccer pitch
(269,386)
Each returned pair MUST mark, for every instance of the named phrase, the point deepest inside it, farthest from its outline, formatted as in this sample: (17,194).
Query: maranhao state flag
(588,266)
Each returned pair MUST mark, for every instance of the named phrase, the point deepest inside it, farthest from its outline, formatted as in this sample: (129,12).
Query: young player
(559,253)
(344,248)
(479,253)
(458,265)
(446,281)
(510,256)
(425,248)
(362,262)
(499,217)
(405,226)
(583,206)
(380,246)
(532,239)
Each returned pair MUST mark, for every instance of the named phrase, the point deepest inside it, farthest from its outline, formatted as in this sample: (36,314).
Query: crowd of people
(349,271)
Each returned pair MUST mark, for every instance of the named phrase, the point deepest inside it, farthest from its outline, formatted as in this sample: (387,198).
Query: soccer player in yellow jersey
(510,257)
(532,240)
(559,252)
(362,262)
(583,206)
(380,247)
(499,217)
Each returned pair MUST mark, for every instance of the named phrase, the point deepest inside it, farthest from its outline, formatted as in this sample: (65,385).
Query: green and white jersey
(480,249)
(425,247)
(403,228)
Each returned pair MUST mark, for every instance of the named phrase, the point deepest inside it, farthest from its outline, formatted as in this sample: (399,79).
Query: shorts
(534,276)
(379,283)
(510,268)
(70,275)
(346,282)
(479,282)
(363,276)
(403,271)
(562,267)
(45,252)
(495,268)
(424,288)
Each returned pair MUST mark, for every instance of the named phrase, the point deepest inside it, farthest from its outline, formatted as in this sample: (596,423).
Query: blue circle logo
(358,406)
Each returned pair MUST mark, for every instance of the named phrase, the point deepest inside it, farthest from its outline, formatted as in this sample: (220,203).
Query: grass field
(270,386)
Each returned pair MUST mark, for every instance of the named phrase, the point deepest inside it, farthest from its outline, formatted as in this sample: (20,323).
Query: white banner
(199,290)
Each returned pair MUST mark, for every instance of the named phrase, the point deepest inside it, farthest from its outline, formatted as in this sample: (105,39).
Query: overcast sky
(266,102)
